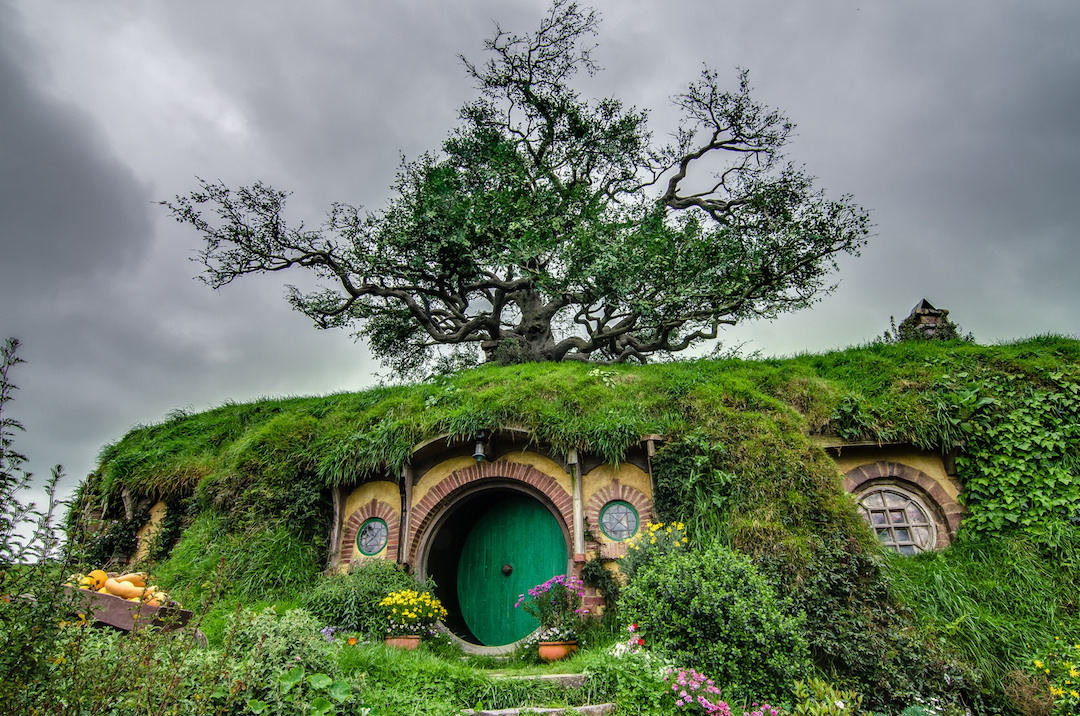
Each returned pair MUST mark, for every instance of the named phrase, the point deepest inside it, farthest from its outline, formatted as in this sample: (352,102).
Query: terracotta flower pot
(403,642)
(555,650)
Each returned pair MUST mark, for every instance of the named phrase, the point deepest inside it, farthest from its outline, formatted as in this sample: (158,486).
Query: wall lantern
(480,451)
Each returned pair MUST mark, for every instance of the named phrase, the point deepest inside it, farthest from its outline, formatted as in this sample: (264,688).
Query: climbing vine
(1021,463)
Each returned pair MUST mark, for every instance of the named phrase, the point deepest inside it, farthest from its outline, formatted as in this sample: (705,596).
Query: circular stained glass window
(372,536)
(619,520)
(900,519)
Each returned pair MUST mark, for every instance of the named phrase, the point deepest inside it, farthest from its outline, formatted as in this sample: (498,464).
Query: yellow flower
(1038,664)
(1073,672)
(1074,694)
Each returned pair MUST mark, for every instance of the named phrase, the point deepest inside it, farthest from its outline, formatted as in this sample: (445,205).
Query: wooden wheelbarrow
(119,613)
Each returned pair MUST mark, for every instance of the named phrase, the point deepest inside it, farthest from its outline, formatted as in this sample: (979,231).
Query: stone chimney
(925,319)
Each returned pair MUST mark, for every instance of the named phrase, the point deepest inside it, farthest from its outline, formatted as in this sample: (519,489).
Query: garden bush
(709,608)
(350,600)
(275,642)
(857,632)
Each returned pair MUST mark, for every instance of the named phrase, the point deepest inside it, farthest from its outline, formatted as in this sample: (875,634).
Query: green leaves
(318,684)
(540,223)
(288,679)
(1020,467)
(711,608)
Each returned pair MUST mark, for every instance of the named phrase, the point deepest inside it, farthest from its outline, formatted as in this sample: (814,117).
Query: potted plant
(557,605)
(410,614)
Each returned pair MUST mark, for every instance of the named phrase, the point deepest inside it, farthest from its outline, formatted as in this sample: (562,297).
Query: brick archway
(375,508)
(426,511)
(615,491)
(895,472)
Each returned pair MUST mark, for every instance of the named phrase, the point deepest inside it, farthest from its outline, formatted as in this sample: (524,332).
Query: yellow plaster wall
(381,490)
(443,470)
(600,477)
(146,532)
(437,474)
(925,461)
(544,464)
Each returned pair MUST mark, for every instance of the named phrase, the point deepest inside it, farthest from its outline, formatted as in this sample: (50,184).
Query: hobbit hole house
(490,522)
(489,516)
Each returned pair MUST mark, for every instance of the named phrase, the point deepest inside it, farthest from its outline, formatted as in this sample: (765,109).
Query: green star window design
(371,539)
(619,520)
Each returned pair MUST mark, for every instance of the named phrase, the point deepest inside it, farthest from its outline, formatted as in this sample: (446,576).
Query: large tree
(551,227)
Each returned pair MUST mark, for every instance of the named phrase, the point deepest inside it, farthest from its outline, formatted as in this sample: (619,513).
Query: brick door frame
(442,499)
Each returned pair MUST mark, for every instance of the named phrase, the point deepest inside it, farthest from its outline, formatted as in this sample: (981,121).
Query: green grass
(211,571)
(344,437)
(420,682)
(993,602)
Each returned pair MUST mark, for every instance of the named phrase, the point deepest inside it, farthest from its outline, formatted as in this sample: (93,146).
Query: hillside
(741,462)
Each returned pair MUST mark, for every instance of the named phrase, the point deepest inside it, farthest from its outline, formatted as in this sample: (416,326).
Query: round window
(372,536)
(900,519)
(619,520)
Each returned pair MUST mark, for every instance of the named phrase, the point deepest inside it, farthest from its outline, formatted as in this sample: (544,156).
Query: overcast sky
(956,123)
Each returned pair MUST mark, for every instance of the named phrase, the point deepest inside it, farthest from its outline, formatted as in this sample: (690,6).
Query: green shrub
(816,697)
(595,574)
(1057,664)
(856,631)
(33,602)
(105,671)
(634,679)
(711,609)
(350,600)
(270,644)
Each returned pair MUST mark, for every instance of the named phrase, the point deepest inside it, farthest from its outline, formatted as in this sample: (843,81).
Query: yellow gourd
(136,578)
(122,589)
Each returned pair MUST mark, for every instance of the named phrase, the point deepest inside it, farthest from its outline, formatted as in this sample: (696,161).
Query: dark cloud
(67,207)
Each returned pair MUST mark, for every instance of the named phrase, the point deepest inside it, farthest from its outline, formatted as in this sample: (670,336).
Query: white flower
(840,704)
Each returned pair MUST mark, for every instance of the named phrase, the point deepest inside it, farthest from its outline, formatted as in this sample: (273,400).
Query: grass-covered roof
(924,393)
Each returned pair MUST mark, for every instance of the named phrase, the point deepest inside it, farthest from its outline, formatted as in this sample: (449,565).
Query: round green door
(513,546)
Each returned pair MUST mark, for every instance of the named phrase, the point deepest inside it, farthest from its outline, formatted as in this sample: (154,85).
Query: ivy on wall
(1021,463)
